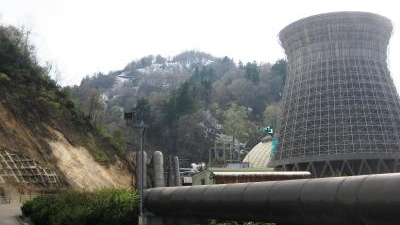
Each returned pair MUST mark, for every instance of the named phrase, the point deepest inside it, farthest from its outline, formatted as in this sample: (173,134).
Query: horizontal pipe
(356,200)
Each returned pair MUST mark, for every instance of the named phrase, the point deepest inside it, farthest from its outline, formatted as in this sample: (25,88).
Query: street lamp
(129,118)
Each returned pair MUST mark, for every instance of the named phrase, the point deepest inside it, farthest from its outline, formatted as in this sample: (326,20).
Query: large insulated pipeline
(356,200)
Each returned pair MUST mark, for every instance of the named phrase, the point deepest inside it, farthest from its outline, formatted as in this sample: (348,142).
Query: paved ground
(9,213)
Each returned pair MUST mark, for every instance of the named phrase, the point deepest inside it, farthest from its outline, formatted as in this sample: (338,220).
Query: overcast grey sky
(81,37)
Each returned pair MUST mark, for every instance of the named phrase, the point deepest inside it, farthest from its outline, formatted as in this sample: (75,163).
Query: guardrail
(20,198)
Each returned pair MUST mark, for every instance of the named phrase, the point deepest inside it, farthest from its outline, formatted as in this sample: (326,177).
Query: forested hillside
(39,121)
(186,100)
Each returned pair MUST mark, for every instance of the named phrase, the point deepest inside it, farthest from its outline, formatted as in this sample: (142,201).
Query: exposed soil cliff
(75,165)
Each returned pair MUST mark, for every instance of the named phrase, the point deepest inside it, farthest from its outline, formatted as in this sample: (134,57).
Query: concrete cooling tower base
(342,165)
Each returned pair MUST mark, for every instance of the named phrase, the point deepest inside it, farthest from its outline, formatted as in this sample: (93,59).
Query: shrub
(100,155)
(101,207)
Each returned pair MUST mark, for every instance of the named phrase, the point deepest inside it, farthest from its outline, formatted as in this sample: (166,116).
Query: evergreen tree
(252,72)
(142,111)
(280,68)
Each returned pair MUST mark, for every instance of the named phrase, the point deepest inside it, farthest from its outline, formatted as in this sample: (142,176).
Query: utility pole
(142,221)
(129,117)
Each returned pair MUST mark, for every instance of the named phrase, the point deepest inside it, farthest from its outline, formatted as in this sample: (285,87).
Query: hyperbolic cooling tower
(340,108)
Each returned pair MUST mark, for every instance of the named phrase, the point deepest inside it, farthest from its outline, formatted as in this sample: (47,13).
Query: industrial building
(229,176)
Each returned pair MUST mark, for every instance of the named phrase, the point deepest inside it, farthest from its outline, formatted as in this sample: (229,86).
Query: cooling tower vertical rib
(340,108)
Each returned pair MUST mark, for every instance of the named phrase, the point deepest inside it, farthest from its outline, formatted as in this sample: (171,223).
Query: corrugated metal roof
(276,173)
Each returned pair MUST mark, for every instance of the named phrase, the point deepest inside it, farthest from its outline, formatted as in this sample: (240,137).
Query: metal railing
(7,199)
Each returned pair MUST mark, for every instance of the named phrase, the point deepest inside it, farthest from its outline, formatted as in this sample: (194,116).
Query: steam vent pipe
(355,200)
(139,170)
(158,167)
(177,171)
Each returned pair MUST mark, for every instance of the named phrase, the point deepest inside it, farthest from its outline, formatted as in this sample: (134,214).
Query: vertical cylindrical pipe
(170,173)
(158,167)
(139,168)
(176,169)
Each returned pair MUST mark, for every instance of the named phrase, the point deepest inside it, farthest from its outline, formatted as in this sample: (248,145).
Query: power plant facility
(340,121)
(340,108)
